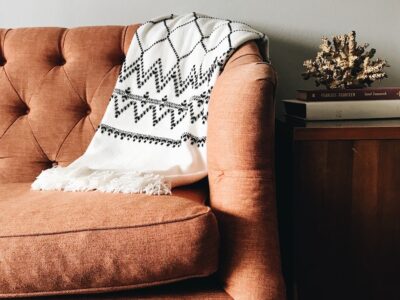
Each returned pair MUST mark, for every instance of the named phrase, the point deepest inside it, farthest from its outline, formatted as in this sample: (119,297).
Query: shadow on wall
(287,57)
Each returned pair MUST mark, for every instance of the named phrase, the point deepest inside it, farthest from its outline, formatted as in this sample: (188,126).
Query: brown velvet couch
(54,86)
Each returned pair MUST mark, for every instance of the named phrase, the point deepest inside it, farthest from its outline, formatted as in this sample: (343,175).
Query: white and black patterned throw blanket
(154,131)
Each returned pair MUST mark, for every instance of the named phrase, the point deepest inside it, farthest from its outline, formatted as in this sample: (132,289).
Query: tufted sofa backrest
(55,84)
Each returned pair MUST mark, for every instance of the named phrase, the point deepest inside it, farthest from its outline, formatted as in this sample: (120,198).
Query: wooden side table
(338,194)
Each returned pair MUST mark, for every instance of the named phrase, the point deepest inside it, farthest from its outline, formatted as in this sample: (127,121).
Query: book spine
(353,110)
(361,94)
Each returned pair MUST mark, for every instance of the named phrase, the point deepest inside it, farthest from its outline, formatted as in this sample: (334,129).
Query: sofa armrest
(241,176)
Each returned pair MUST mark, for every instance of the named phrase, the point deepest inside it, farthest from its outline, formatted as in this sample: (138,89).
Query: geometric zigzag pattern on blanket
(159,109)
(137,137)
(168,82)
(194,79)
(153,134)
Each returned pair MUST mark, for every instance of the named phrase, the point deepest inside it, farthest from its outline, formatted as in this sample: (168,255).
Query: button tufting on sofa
(108,232)
(24,109)
(86,110)
(67,68)
(61,61)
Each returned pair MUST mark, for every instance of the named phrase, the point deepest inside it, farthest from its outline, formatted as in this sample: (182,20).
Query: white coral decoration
(343,64)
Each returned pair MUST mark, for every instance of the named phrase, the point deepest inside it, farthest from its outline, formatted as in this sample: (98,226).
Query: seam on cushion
(247,54)
(107,289)
(101,81)
(62,42)
(268,78)
(123,38)
(272,81)
(91,100)
(12,123)
(20,98)
(26,103)
(97,88)
(72,86)
(91,123)
(5,74)
(30,127)
(13,87)
(273,78)
(269,178)
(264,174)
(67,135)
(83,101)
(44,76)
(37,142)
(105,75)
(4,41)
(109,228)
(39,85)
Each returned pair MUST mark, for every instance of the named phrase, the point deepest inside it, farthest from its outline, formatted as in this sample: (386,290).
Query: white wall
(294,27)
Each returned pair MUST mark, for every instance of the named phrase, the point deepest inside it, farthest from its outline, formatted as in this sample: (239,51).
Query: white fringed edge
(111,181)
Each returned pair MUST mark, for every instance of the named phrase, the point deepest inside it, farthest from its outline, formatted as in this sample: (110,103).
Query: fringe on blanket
(111,181)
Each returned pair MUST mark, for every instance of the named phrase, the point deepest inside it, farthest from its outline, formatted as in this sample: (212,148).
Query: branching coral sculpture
(341,63)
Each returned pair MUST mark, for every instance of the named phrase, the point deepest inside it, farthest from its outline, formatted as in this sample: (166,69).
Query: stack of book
(348,104)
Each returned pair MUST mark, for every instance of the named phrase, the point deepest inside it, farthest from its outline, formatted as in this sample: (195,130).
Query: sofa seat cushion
(65,243)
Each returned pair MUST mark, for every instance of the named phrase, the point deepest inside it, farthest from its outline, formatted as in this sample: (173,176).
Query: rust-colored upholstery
(55,84)
(60,242)
(192,289)
(241,176)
